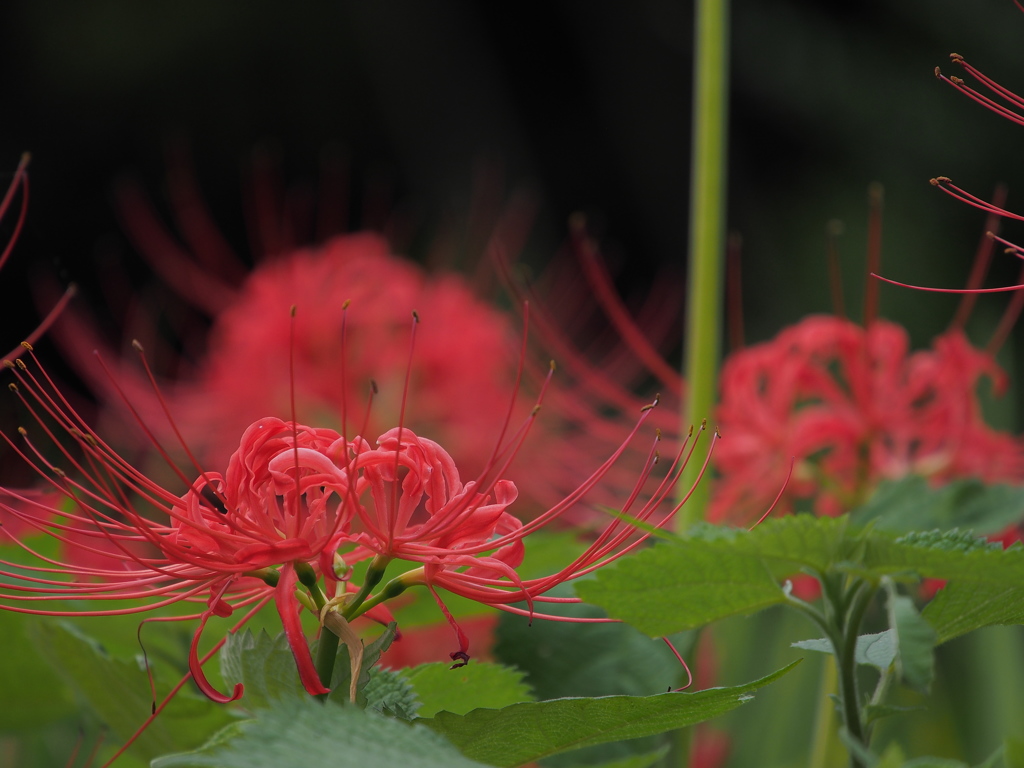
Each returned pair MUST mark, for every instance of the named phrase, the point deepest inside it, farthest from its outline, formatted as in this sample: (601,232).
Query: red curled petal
(194,665)
(284,599)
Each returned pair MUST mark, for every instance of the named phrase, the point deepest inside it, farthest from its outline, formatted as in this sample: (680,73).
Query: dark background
(585,104)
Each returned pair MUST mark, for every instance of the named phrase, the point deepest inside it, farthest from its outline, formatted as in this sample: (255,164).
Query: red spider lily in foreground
(294,509)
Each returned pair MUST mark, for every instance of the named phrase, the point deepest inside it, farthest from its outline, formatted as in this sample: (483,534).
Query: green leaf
(459,690)
(641,760)
(915,640)
(264,665)
(566,659)
(675,586)
(390,693)
(912,504)
(118,691)
(877,650)
(964,606)
(342,673)
(934,762)
(526,732)
(300,733)
(39,695)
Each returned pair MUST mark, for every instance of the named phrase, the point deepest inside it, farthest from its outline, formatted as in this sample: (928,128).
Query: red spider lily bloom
(280,503)
(853,406)
(296,505)
(467,541)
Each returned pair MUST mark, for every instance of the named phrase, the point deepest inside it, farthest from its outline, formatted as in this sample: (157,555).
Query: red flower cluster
(296,507)
(852,405)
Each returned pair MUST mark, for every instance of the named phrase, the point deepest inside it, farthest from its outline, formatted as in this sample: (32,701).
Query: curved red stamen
(195,665)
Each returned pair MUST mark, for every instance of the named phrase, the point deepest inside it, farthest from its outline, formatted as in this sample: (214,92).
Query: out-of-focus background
(584,104)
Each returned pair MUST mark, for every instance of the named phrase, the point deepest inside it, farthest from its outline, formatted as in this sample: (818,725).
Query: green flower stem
(860,595)
(326,653)
(707,231)
(374,573)
(393,588)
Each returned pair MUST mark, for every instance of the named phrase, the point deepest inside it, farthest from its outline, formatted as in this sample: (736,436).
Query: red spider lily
(854,406)
(295,507)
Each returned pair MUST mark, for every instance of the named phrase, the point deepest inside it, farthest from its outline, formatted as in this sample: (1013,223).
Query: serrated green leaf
(342,674)
(118,691)
(266,667)
(675,586)
(301,733)
(878,650)
(390,693)
(263,665)
(915,640)
(526,732)
(964,606)
(568,659)
(460,690)
(565,659)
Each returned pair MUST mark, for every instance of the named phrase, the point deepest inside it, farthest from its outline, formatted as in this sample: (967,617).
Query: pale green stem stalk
(824,732)
(702,334)
(707,230)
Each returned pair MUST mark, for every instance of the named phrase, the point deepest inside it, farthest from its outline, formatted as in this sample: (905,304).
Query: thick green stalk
(707,230)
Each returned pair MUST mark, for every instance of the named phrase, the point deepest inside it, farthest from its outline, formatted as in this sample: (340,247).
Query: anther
(26,345)
(345,303)
(415,316)
(374,387)
(21,364)
(13,387)
(137,346)
(22,431)
(956,80)
(291,311)
(956,57)
(8,363)
(938,73)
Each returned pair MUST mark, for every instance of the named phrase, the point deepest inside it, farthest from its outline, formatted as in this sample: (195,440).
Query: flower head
(294,509)
(853,406)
